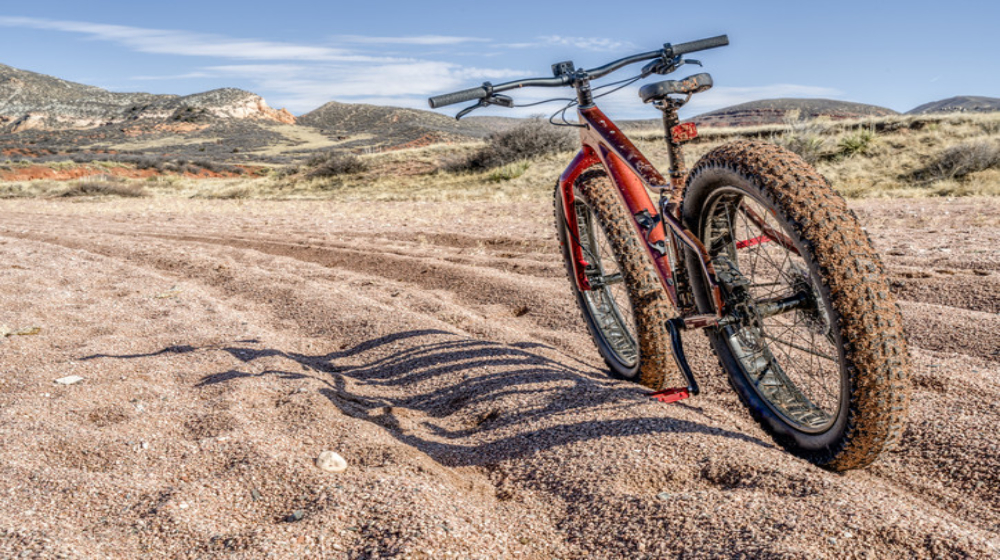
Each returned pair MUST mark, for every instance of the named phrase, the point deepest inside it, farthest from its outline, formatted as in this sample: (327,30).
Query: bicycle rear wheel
(812,339)
(627,310)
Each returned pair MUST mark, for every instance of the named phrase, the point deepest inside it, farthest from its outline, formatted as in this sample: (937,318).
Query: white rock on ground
(331,462)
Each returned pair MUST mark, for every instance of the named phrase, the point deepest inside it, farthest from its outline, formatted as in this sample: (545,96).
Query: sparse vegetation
(859,142)
(902,153)
(508,172)
(531,139)
(103,186)
(956,162)
(804,137)
(915,155)
(335,164)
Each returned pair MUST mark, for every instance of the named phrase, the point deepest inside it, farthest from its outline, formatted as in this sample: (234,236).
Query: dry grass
(881,157)
(908,156)
(103,186)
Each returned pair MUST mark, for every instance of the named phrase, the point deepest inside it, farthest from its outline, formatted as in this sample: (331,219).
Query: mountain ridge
(393,123)
(958,104)
(32,101)
(779,110)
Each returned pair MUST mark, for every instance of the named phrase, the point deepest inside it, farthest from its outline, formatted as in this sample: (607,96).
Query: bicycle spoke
(777,341)
(607,299)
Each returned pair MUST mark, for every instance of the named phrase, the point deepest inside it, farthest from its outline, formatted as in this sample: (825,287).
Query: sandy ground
(224,345)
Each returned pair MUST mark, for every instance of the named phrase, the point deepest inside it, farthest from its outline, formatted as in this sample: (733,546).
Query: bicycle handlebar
(457,97)
(667,52)
(700,45)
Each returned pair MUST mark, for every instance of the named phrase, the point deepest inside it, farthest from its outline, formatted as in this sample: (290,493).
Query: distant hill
(31,101)
(394,126)
(959,104)
(775,111)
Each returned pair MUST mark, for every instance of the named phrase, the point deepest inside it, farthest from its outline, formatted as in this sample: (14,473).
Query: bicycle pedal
(670,395)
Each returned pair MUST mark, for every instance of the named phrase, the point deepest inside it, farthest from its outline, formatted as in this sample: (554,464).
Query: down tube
(634,195)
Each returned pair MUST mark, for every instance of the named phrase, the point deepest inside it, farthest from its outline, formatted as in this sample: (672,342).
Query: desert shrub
(958,161)
(508,172)
(238,192)
(334,164)
(285,171)
(217,167)
(808,147)
(525,141)
(27,190)
(146,162)
(859,142)
(804,137)
(990,125)
(103,187)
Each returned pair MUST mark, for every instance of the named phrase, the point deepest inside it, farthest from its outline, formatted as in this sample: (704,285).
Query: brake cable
(573,102)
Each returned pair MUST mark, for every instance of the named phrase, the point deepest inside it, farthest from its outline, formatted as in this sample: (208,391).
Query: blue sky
(300,54)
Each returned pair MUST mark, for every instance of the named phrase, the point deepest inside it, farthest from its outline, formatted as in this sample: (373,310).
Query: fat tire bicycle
(752,246)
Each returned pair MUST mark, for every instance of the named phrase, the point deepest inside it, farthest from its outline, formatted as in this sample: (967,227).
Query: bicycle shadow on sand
(470,402)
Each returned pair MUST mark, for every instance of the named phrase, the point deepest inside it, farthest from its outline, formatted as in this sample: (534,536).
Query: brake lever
(663,67)
(493,99)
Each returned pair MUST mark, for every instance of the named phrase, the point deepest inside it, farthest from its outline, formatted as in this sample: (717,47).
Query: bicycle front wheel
(626,310)
(811,339)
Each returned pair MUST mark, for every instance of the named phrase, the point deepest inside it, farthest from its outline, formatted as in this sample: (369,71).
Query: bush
(810,148)
(103,188)
(335,164)
(525,141)
(804,137)
(859,142)
(508,172)
(958,161)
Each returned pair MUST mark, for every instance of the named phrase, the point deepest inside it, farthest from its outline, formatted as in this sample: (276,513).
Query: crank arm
(675,394)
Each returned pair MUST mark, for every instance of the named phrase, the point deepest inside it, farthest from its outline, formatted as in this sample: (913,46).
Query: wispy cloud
(303,87)
(425,40)
(356,68)
(185,43)
(300,76)
(582,43)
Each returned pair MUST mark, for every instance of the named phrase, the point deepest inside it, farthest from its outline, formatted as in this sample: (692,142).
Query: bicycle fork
(664,236)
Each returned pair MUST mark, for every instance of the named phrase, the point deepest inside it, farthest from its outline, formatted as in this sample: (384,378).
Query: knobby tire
(650,304)
(863,320)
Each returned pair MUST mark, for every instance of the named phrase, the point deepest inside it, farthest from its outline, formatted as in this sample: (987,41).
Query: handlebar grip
(457,97)
(700,45)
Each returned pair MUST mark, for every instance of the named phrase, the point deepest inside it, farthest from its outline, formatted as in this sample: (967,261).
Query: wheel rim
(778,324)
(607,300)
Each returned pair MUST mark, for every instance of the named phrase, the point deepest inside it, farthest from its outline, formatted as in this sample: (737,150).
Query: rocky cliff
(30,101)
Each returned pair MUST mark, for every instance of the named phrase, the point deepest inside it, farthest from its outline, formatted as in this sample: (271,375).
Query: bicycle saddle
(690,85)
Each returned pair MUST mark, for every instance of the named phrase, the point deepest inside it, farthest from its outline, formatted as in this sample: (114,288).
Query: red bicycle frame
(632,174)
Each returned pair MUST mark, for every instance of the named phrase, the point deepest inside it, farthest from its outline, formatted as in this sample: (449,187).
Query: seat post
(678,172)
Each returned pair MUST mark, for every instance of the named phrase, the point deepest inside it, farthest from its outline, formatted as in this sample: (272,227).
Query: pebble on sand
(69,380)
(331,462)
